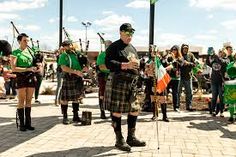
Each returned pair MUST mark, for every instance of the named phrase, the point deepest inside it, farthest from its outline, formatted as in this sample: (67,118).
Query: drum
(230,92)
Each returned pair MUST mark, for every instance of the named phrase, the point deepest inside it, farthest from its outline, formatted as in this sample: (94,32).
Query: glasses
(130,34)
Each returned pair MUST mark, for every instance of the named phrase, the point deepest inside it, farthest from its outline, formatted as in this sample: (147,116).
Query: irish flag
(162,76)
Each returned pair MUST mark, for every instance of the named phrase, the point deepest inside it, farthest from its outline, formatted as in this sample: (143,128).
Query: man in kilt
(122,60)
(72,82)
(102,74)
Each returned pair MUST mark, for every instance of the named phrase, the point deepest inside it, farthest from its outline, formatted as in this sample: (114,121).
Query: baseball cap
(127,27)
(66,43)
(210,51)
(185,46)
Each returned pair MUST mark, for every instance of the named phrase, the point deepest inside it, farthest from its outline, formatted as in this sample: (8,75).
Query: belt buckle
(134,82)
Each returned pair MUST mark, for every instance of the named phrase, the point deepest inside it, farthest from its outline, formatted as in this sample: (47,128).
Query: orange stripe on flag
(162,84)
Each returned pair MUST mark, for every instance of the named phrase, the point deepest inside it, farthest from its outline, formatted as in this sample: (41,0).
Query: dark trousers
(217,90)
(174,86)
(37,85)
(10,86)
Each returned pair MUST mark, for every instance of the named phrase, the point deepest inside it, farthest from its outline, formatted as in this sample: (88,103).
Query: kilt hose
(72,88)
(117,95)
(102,84)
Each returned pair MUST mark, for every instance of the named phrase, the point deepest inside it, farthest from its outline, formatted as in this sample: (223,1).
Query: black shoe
(22,128)
(176,110)
(132,140)
(213,114)
(122,145)
(190,109)
(120,142)
(30,128)
(103,115)
(154,118)
(65,121)
(165,119)
(231,119)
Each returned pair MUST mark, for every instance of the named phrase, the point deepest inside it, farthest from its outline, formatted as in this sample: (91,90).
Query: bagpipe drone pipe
(82,55)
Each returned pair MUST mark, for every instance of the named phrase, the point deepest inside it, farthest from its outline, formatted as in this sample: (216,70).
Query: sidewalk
(187,134)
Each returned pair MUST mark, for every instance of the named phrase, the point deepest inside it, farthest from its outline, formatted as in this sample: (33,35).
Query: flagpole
(151,44)
(151,23)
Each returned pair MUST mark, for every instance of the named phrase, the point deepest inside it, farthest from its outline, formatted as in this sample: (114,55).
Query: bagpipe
(82,55)
(102,42)
(33,50)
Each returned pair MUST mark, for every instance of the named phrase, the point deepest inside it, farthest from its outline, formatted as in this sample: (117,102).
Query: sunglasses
(129,33)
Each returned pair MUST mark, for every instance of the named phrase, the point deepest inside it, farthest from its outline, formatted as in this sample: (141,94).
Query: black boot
(64,112)
(131,138)
(75,107)
(28,119)
(163,110)
(120,141)
(21,116)
(154,111)
(103,115)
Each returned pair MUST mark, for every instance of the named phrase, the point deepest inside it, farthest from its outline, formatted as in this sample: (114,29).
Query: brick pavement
(188,134)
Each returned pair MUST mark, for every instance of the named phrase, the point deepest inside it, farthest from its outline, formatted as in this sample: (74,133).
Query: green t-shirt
(24,58)
(101,61)
(70,60)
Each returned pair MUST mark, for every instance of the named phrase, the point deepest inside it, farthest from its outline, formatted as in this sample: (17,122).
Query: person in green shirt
(102,75)
(231,71)
(22,65)
(72,81)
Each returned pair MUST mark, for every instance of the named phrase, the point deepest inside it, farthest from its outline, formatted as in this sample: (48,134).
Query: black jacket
(117,53)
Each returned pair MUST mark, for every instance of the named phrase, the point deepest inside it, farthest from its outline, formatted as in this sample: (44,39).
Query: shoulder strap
(70,62)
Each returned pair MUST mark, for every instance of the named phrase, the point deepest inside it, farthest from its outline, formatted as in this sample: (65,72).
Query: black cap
(66,43)
(126,27)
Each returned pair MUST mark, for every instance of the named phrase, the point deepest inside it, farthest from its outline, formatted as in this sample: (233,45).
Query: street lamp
(86,25)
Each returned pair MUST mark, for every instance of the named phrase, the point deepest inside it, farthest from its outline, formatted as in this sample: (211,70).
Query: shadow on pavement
(79,152)
(211,124)
(11,137)
(214,125)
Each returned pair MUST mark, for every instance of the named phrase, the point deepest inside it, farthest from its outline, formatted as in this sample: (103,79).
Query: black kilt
(72,88)
(25,80)
(118,92)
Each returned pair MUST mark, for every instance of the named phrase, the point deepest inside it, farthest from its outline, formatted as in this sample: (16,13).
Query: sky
(196,22)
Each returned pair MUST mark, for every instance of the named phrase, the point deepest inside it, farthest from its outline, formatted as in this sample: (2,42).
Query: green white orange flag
(153,1)
(163,78)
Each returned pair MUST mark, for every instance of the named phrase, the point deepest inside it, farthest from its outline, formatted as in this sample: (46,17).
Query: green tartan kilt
(116,97)
(72,88)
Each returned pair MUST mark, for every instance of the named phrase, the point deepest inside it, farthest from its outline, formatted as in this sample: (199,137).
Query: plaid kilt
(117,96)
(72,88)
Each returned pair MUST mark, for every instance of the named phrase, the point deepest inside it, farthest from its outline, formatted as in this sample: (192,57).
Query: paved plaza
(187,134)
